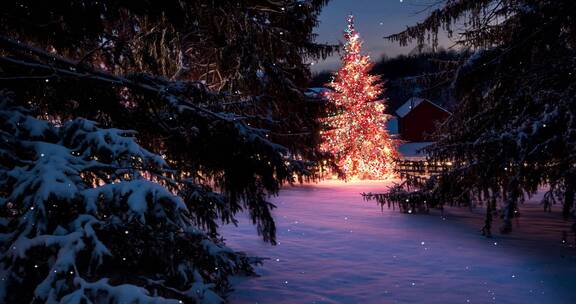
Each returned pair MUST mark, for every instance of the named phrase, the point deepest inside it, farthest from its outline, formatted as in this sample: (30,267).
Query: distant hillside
(423,74)
(321,79)
(420,50)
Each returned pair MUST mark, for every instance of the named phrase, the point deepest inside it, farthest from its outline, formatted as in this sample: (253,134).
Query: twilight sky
(374,20)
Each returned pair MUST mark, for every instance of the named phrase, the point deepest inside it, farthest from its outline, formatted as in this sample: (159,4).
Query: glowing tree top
(356,125)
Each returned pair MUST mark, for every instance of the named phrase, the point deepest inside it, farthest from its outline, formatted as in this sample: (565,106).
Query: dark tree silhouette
(89,211)
(514,129)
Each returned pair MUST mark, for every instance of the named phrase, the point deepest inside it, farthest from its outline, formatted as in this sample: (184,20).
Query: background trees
(427,75)
(213,87)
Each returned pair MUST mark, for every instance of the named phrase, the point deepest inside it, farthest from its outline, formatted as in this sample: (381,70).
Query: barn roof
(412,103)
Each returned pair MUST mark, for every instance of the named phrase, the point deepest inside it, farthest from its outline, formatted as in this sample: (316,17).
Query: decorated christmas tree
(356,126)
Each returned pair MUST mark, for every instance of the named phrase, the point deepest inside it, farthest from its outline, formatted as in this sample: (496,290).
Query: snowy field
(336,248)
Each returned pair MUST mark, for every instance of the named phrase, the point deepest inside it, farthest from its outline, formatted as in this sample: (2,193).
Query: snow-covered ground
(336,248)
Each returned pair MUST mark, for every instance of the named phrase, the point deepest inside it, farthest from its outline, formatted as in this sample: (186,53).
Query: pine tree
(514,130)
(90,216)
(356,135)
(212,93)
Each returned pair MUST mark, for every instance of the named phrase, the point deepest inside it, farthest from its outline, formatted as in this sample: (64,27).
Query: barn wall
(419,123)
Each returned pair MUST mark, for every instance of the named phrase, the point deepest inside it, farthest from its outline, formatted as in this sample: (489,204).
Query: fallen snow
(412,103)
(335,248)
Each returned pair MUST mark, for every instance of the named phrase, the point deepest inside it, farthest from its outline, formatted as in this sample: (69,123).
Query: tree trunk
(568,197)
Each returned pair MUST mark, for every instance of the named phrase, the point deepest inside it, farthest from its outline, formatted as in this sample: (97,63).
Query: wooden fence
(420,167)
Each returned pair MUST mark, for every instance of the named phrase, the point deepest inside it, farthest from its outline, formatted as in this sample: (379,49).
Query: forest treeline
(420,74)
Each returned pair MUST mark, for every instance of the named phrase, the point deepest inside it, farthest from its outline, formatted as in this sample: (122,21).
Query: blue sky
(374,20)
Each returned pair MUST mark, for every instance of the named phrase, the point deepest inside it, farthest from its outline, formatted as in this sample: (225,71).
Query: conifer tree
(514,130)
(130,131)
(356,134)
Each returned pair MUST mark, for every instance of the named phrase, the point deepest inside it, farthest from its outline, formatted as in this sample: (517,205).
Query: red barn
(418,118)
